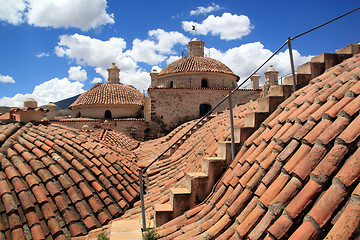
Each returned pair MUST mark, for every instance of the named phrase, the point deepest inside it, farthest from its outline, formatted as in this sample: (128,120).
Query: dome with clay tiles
(195,64)
(109,94)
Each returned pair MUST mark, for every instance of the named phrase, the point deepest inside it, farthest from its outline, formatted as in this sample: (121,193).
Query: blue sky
(52,49)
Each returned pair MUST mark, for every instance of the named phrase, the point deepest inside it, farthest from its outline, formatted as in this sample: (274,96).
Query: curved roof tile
(109,94)
(296,177)
(56,182)
(115,138)
(196,64)
(170,172)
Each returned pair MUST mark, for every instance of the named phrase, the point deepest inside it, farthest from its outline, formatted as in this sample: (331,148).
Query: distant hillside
(64,104)
(4,110)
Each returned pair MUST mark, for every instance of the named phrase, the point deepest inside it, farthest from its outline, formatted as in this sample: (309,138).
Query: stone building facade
(189,87)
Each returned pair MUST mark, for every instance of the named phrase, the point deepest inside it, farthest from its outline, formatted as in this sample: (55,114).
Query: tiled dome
(109,94)
(57,182)
(196,64)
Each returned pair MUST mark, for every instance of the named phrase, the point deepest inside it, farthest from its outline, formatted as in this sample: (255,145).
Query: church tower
(113,74)
(196,48)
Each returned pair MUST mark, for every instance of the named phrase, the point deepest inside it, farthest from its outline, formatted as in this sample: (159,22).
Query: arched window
(204,83)
(107,114)
(171,84)
(204,109)
(78,114)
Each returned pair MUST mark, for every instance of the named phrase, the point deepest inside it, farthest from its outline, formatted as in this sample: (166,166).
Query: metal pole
(142,200)
(292,64)
(232,128)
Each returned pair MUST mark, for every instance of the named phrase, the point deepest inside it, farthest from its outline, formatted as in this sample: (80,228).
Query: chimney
(271,76)
(30,111)
(255,81)
(113,74)
(154,77)
(51,114)
(196,48)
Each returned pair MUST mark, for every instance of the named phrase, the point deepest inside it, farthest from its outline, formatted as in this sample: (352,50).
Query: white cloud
(245,59)
(100,54)
(228,26)
(140,79)
(49,91)
(83,14)
(153,50)
(6,79)
(204,10)
(94,52)
(96,80)
(172,59)
(12,11)
(77,74)
(40,55)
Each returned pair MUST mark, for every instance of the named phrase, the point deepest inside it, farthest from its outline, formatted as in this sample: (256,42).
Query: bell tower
(113,74)
(196,48)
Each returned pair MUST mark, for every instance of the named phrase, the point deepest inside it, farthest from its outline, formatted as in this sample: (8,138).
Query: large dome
(195,64)
(109,94)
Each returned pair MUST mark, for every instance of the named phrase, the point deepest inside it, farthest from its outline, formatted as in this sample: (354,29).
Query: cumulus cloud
(100,54)
(12,11)
(245,59)
(77,74)
(204,10)
(152,50)
(83,14)
(96,80)
(94,52)
(40,55)
(50,91)
(228,26)
(6,79)
(172,59)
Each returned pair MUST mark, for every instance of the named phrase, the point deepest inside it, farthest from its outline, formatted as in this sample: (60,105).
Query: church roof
(296,177)
(196,64)
(109,94)
(57,182)
(115,138)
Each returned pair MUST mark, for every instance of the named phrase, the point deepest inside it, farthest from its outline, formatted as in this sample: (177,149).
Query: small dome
(271,69)
(30,103)
(195,39)
(51,105)
(196,64)
(109,94)
(113,66)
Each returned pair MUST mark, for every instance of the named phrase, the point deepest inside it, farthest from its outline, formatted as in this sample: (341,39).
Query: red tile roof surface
(57,183)
(296,177)
(195,64)
(6,116)
(109,94)
(170,171)
(115,138)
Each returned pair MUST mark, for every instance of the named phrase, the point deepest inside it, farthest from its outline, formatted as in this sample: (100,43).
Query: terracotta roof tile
(294,176)
(195,64)
(109,93)
(54,189)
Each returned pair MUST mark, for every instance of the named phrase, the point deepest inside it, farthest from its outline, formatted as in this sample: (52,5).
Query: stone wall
(134,128)
(171,107)
(99,111)
(193,80)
